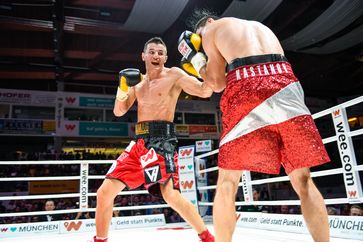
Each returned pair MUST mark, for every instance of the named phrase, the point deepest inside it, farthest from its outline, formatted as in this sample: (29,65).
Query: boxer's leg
(105,197)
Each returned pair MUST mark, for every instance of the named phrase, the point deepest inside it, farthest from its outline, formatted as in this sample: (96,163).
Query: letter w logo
(73,225)
(148,158)
(352,194)
(187,184)
(336,113)
(3,229)
(70,126)
(70,99)
(186,152)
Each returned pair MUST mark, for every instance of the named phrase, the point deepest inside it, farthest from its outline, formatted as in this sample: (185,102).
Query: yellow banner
(49,125)
(182,130)
(46,187)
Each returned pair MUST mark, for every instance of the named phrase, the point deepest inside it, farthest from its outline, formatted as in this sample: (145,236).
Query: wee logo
(186,152)
(336,113)
(73,225)
(70,127)
(70,100)
(148,158)
(187,185)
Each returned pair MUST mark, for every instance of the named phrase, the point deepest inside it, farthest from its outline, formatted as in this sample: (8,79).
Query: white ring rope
(342,105)
(67,211)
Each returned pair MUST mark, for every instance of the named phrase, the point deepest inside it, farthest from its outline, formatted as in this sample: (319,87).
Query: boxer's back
(236,38)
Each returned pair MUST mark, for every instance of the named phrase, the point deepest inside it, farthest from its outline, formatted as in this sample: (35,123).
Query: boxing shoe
(99,240)
(206,236)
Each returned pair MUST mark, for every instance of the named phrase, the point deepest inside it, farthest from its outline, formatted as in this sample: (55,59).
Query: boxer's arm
(214,72)
(191,84)
(120,108)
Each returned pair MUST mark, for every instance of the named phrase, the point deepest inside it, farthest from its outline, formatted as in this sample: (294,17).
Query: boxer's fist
(188,67)
(189,45)
(127,78)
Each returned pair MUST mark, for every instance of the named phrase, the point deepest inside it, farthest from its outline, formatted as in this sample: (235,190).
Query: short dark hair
(155,40)
(256,189)
(357,207)
(199,18)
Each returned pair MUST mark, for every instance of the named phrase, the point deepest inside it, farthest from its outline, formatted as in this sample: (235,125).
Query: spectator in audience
(124,203)
(2,207)
(167,214)
(254,208)
(84,215)
(356,210)
(116,213)
(49,206)
(331,210)
(345,210)
(175,218)
(34,219)
(284,209)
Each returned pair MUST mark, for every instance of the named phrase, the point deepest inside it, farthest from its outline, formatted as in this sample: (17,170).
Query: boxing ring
(251,226)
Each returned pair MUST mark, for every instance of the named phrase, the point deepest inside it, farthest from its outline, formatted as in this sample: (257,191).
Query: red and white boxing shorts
(266,123)
(151,160)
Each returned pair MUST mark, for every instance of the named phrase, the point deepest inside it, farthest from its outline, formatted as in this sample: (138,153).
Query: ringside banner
(340,226)
(75,226)
(26,229)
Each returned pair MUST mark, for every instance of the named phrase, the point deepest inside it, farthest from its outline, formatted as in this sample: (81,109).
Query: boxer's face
(154,56)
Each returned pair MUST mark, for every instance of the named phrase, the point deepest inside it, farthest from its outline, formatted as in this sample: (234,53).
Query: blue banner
(96,102)
(103,129)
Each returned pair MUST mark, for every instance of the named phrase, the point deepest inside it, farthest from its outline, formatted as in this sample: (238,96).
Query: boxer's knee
(300,180)
(170,195)
(227,188)
(108,191)
(227,183)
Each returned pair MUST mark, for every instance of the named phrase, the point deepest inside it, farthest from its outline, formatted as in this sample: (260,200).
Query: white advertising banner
(139,221)
(26,229)
(75,226)
(352,181)
(68,128)
(203,145)
(83,187)
(340,226)
(246,186)
(89,225)
(187,174)
(27,97)
(70,99)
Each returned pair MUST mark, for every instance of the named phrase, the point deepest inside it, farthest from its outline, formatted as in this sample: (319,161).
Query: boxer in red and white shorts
(266,123)
(151,160)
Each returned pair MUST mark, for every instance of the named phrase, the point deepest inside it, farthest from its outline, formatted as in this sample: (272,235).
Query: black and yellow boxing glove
(188,67)
(189,45)
(127,78)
